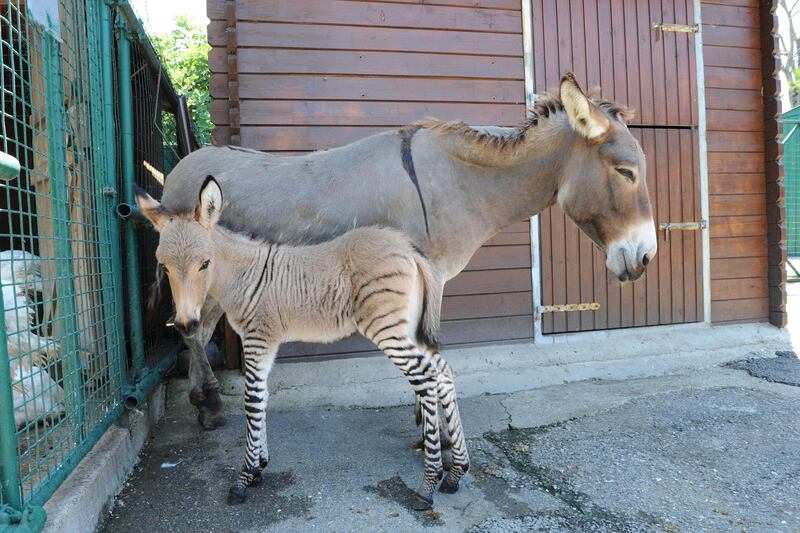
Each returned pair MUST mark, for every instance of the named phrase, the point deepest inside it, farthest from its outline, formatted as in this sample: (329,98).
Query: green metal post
(110,193)
(126,143)
(9,469)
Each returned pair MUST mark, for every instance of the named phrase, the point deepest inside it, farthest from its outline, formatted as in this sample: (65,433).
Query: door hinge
(682,226)
(661,27)
(568,308)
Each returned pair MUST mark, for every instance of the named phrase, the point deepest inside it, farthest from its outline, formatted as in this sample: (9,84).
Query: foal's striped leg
(422,375)
(259,354)
(447,396)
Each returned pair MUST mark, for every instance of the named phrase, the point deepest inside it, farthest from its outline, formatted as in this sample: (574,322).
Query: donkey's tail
(428,327)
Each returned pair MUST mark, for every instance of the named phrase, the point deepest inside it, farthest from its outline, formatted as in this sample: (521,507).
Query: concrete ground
(714,449)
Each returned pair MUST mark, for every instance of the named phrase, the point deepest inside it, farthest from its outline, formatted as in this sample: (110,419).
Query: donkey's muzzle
(188,328)
(627,258)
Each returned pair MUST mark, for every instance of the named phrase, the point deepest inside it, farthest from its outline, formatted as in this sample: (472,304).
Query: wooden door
(614,51)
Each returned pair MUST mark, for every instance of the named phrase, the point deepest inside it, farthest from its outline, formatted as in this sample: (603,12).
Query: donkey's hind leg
(203,385)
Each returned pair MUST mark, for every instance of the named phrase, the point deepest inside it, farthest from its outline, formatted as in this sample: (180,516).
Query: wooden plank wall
(313,75)
(317,74)
(737,190)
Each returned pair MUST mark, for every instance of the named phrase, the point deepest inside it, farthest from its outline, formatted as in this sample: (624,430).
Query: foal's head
(603,187)
(184,250)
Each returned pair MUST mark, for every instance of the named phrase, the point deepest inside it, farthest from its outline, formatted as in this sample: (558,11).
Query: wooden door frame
(536,274)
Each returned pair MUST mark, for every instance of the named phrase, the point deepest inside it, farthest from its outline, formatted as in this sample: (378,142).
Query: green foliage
(184,53)
(794,88)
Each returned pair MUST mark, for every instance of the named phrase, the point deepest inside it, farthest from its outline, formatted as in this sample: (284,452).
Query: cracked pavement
(712,450)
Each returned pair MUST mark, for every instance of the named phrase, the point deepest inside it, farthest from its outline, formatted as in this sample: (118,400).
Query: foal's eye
(163,267)
(628,173)
(205,265)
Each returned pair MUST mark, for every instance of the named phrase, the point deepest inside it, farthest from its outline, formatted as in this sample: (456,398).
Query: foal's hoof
(237,495)
(257,479)
(421,503)
(448,487)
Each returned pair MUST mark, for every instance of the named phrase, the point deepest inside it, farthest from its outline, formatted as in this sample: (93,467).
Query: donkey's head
(185,250)
(603,187)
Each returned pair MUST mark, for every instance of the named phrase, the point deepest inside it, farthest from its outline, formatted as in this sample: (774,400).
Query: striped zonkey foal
(368,280)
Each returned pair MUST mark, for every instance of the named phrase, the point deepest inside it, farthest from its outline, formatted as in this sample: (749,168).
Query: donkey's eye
(628,173)
(205,265)
(163,268)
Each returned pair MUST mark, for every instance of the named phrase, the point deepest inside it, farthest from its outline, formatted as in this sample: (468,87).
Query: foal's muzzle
(189,328)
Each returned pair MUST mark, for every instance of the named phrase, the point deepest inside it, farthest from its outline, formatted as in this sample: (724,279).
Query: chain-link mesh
(791,172)
(60,255)
(154,158)
(55,232)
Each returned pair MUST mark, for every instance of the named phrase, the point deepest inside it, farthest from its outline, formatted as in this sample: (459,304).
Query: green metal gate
(84,100)
(791,172)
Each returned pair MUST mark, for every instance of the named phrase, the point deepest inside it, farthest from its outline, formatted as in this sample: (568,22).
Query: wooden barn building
(291,76)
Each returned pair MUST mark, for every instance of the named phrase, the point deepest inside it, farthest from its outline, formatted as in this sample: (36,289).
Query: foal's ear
(208,209)
(152,210)
(584,117)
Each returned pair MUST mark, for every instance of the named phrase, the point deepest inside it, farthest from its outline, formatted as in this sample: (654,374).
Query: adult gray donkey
(449,186)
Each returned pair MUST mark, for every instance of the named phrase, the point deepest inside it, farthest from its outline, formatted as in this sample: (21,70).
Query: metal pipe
(9,167)
(9,471)
(703,160)
(128,176)
(130,212)
(31,519)
(530,98)
(138,392)
(110,152)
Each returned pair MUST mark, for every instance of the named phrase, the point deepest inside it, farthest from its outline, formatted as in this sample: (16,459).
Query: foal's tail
(428,327)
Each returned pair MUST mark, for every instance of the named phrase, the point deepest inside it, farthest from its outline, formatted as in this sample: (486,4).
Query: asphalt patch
(581,512)
(784,368)
(396,490)
(561,521)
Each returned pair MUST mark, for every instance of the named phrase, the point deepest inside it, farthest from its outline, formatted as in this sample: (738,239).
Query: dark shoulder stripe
(408,164)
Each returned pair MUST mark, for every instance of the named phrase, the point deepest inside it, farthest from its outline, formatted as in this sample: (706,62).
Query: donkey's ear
(208,209)
(584,117)
(152,210)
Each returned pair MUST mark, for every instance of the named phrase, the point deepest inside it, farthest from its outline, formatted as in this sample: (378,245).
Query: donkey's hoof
(210,422)
(421,503)
(237,495)
(448,486)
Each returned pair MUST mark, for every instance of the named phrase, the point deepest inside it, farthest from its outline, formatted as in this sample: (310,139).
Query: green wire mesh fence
(791,172)
(154,158)
(64,339)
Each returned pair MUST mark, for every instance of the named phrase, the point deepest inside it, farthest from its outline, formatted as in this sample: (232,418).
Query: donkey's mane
(546,105)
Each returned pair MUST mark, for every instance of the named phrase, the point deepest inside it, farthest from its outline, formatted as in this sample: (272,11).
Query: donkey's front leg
(203,385)
(259,353)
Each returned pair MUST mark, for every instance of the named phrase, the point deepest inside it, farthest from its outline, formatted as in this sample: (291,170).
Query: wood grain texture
(315,75)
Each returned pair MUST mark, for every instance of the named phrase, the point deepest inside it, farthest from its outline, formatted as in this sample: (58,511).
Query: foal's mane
(481,147)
